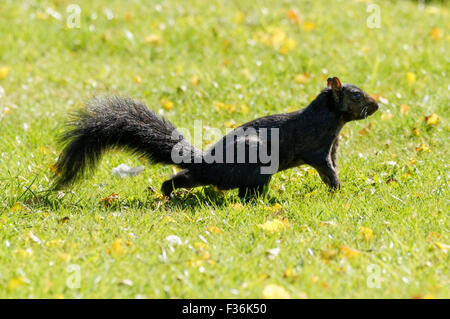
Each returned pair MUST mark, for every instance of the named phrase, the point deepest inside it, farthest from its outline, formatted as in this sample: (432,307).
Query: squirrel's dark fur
(308,136)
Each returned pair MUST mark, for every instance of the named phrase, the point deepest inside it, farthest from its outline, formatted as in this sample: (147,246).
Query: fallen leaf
(63,256)
(432,235)
(308,26)
(387,116)
(432,119)
(4,71)
(166,104)
(425,296)
(16,282)
(302,78)
(415,131)
(128,16)
(366,233)
(274,225)
(153,39)
(445,248)
(117,247)
(328,254)
(214,229)
(108,200)
(237,206)
(411,78)
(404,109)
(25,252)
(436,33)
(349,252)
(137,79)
(293,16)
(423,148)
(195,80)
(18,207)
(275,292)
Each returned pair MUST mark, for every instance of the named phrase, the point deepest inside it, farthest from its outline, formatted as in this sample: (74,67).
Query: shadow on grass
(181,200)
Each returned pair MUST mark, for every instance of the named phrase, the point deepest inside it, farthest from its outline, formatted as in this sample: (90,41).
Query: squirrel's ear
(334,83)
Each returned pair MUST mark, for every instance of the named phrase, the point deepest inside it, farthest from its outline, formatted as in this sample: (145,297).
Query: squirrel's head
(352,102)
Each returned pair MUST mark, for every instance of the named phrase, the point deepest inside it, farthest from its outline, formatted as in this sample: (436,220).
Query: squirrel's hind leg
(182,179)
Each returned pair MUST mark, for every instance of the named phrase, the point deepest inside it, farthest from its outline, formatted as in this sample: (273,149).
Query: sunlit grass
(225,63)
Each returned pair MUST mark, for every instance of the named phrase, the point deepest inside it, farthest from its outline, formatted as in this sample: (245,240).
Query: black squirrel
(308,136)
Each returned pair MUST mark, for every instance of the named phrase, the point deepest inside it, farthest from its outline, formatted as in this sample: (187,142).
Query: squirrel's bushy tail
(115,122)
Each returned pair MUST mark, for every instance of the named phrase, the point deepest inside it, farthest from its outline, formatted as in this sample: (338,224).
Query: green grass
(54,69)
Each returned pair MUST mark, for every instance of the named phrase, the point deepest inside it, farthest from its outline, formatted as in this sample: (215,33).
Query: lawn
(385,234)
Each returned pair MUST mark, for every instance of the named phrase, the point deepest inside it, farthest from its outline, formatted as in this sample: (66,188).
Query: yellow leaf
(432,119)
(214,229)
(328,254)
(42,16)
(308,26)
(17,207)
(364,131)
(404,109)
(237,206)
(387,116)
(225,107)
(201,245)
(275,292)
(445,248)
(240,17)
(288,45)
(246,73)
(425,296)
(436,33)
(137,79)
(25,252)
(244,109)
(153,39)
(415,131)
(274,225)
(63,256)
(349,252)
(366,233)
(302,78)
(117,247)
(16,282)
(275,207)
(167,219)
(293,15)
(411,77)
(290,273)
(423,148)
(195,80)
(412,161)
(4,70)
(167,104)
(433,235)
(128,16)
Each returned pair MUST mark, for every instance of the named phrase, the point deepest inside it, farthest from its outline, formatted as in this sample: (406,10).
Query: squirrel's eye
(356,95)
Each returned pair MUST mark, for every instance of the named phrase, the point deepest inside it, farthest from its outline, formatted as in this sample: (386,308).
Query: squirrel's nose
(374,103)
